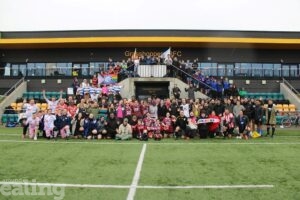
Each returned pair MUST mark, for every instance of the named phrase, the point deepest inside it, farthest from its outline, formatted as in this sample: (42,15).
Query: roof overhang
(154,38)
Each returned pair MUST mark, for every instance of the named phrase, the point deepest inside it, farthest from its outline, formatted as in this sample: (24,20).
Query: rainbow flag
(110,79)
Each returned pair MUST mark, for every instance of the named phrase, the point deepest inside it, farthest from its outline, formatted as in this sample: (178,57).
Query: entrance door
(144,90)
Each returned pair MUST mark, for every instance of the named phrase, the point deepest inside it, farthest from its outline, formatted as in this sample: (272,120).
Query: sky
(242,15)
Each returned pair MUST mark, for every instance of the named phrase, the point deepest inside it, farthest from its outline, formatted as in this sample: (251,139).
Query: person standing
(191,91)
(176,91)
(258,116)
(270,118)
(29,108)
(242,125)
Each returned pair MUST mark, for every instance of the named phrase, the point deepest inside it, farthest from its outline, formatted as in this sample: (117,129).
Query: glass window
(221,69)
(102,66)
(209,69)
(64,69)
(85,69)
(277,70)
(268,70)
(204,67)
(213,69)
(22,68)
(257,70)
(80,69)
(94,68)
(242,69)
(68,70)
(40,69)
(15,69)
(30,69)
(61,67)
(229,69)
(293,70)
(50,69)
(7,69)
(285,70)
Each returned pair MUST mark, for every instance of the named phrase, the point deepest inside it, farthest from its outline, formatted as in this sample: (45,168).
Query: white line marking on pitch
(140,187)
(150,143)
(206,187)
(137,174)
(66,185)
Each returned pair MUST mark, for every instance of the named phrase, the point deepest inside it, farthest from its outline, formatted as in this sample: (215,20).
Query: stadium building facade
(238,55)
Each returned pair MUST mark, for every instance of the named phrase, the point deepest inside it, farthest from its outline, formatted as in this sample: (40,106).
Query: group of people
(109,116)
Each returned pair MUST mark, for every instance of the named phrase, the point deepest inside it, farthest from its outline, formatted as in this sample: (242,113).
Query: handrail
(199,81)
(290,86)
(14,86)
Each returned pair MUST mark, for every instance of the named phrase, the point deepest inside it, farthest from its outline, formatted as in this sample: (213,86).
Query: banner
(110,79)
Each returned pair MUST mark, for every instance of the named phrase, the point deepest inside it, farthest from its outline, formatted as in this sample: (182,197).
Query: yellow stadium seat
(285,106)
(14,105)
(292,109)
(286,109)
(292,106)
(19,106)
(44,106)
(279,107)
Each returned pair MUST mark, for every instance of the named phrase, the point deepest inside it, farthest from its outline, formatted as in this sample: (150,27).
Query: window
(7,69)
(277,70)
(257,70)
(229,69)
(15,69)
(293,70)
(64,69)
(225,69)
(18,69)
(285,70)
(80,69)
(40,69)
(30,69)
(85,69)
(50,69)
(268,70)
(95,67)
(221,69)
(209,69)
(243,69)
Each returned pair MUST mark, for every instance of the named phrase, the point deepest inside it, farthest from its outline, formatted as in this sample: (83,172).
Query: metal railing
(290,87)
(8,92)
(195,79)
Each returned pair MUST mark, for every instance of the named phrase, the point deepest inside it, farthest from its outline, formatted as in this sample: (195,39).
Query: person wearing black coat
(111,126)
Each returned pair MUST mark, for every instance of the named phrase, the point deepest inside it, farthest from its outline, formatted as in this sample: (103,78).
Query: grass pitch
(211,162)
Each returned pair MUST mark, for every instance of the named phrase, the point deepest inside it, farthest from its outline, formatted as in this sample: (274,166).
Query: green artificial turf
(262,161)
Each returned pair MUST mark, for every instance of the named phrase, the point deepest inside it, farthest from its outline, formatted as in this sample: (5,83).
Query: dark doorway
(152,89)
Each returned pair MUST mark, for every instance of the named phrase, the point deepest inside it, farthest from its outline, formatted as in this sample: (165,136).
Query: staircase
(129,89)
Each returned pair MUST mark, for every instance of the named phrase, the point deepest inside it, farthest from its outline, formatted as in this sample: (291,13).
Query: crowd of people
(97,110)
(109,116)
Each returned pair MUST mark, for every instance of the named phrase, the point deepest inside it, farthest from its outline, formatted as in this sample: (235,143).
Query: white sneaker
(35,138)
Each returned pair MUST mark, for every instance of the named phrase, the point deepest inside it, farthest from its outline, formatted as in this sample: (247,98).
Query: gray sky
(259,15)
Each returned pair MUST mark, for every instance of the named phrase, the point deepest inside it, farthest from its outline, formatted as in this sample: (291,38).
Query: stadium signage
(128,53)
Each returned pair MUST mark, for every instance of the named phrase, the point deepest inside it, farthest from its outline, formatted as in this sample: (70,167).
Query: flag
(110,79)
(164,55)
(134,55)
(100,79)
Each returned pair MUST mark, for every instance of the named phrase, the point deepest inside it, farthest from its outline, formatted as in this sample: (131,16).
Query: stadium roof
(150,38)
